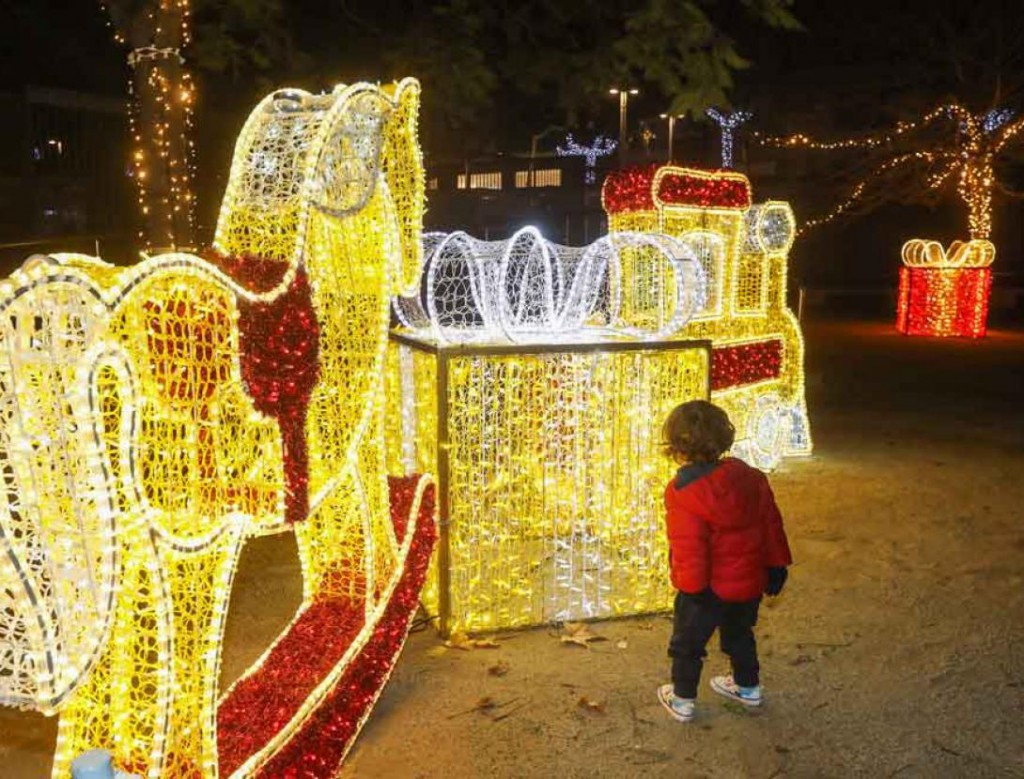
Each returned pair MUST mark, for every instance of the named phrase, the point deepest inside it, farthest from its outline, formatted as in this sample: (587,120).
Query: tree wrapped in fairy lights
(942,291)
(235,37)
(162,95)
(949,144)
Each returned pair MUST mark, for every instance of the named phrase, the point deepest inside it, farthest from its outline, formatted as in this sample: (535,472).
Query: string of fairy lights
(969,158)
(155,145)
(801,141)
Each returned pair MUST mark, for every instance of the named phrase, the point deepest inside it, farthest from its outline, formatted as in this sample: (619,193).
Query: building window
(548,177)
(432,182)
(489,180)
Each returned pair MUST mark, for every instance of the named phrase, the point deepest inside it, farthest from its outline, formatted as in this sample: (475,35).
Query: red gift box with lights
(944,292)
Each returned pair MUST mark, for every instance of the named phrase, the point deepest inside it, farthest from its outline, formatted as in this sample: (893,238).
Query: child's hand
(776,580)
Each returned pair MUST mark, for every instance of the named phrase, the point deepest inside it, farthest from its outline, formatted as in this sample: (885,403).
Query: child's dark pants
(696,617)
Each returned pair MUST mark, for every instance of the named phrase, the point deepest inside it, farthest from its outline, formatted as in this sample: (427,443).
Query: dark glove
(776,580)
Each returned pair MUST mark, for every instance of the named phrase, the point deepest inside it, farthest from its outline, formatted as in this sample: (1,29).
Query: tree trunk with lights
(975,189)
(162,93)
(975,184)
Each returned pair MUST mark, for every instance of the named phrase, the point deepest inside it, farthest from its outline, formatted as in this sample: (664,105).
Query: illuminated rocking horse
(154,417)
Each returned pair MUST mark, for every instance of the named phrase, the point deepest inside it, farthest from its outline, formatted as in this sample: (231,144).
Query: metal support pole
(444,504)
(623,94)
(623,99)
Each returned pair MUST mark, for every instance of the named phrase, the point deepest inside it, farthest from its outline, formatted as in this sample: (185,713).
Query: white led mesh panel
(58,558)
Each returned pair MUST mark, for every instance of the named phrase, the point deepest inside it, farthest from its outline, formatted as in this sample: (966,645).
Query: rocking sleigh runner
(156,416)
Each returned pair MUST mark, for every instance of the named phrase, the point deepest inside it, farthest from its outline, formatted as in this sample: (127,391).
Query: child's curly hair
(698,431)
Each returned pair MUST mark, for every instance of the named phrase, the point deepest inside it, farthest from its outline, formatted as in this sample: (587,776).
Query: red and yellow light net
(945,292)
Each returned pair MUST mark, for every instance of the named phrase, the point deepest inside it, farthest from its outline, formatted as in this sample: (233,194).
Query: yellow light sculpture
(140,453)
(549,472)
(757,359)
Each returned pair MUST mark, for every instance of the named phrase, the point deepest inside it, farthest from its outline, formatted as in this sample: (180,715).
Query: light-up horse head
(157,415)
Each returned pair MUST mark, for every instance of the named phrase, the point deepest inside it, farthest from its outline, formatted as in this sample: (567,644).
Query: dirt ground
(897,648)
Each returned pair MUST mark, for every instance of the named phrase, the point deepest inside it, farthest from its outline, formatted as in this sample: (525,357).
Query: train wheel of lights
(768,432)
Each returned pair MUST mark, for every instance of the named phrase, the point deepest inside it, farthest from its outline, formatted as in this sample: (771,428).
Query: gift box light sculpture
(156,416)
(757,359)
(945,292)
(518,379)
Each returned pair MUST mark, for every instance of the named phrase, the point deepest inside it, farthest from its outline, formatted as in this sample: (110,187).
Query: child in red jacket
(727,547)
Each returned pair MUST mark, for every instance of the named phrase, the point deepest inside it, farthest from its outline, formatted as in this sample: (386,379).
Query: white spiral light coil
(527,288)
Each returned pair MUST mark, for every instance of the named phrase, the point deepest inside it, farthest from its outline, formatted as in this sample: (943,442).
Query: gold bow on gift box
(923,253)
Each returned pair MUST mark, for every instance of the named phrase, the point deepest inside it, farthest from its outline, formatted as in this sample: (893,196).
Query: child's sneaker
(678,708)
(748,696)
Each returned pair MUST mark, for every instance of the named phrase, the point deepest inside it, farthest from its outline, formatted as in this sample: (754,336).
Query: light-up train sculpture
(757,360)
(156,416)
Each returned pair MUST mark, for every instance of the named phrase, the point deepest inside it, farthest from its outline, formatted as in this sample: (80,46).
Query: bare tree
(913,160)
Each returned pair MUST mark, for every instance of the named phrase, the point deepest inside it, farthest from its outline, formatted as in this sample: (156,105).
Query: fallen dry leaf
(623,644)
(485,643)
(484,704)
(500,668)
(589,704)
(577,634)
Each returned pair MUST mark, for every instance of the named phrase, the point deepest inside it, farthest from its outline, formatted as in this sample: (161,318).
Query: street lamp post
(623,101)
(671,130)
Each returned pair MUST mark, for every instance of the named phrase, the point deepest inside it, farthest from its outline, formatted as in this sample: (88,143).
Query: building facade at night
(63,176)
(491,197)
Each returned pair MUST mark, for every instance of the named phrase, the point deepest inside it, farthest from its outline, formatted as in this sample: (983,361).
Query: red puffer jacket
(724,530)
